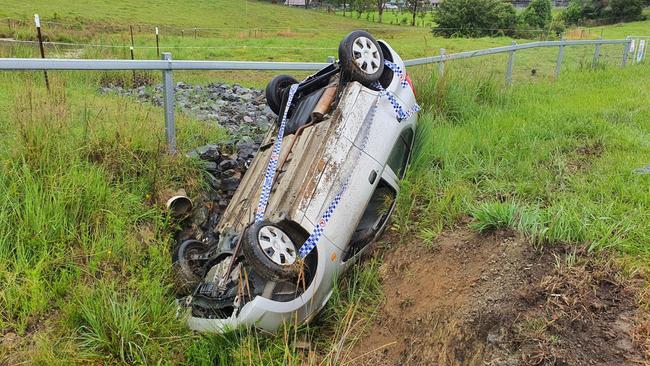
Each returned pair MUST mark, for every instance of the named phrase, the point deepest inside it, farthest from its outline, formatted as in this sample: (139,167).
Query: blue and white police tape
(398,70)
(401,115)
(400,112)
(273,161)
(311,242)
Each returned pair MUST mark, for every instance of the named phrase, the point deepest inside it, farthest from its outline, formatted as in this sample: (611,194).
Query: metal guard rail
(167,66)
(89,64)
(515,47)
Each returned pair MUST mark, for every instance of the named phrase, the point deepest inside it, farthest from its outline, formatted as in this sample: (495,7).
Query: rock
(227,166)
(213,181)
(210,166)
(206,152)
(247,119)
(200,216)
(247,149)
(231,183)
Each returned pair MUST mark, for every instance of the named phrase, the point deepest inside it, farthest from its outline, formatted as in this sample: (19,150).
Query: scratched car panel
(334,185)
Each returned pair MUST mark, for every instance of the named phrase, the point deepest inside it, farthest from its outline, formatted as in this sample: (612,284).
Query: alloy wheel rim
(277,245)
(366,55)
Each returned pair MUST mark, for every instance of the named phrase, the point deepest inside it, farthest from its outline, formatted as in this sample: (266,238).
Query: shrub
(475,18)
(572,14)
(627,10)
(603,11)
(537,14)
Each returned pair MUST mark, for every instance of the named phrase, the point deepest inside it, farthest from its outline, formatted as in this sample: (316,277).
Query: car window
(400,153)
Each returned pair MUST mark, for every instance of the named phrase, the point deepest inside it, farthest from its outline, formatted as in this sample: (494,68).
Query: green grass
(552,160)
(84,243)
(393,17)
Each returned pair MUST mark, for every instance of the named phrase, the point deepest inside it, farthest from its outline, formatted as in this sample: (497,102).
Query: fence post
(511,64)
(133,58)
(626,51)
(558,64)
(131,31)
(157,44)
(441,64)
(168,90)
(37,21)
(594,63)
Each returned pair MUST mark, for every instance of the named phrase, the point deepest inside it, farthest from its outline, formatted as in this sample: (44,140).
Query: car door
(383,200)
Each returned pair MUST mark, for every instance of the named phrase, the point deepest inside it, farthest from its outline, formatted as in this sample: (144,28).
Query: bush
(572,14)
(557,27)
(603,11)
(537,14)
(627,10)
(475,18)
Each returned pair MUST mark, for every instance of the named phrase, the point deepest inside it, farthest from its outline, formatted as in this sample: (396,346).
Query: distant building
(294,2)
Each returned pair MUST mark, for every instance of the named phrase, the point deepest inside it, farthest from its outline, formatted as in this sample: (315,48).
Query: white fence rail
(167,66)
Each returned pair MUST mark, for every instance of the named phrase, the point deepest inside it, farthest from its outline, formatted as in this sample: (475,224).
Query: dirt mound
(494,300)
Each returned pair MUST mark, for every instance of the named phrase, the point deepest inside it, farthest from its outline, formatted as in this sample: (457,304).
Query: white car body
(341,153)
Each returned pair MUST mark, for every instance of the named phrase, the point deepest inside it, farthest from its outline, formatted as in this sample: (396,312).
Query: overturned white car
(320,189)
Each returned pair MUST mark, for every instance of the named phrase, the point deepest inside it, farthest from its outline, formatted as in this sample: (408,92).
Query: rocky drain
(241,110)
(247,117)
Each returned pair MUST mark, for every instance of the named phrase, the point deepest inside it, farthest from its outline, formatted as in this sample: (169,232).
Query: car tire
(361,58)
(276,89)
(187,272)
(271,249)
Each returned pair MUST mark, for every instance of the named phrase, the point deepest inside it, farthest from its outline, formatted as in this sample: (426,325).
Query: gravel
(244,113)
(225,164)
(241,110)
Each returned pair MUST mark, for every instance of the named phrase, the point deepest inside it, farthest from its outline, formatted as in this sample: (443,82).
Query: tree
(380,8)
(626,10)
(603,11)
(360,6)
(537,14)
(413,6)
(475,18)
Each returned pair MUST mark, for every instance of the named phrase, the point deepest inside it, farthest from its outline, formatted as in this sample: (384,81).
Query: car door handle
(372,177)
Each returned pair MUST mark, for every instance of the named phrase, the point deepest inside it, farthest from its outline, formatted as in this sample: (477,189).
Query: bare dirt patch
(495,300)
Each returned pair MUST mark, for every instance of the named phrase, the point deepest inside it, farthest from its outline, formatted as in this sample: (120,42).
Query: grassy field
(231,30)
(551,160)
(393,17)
(84,243)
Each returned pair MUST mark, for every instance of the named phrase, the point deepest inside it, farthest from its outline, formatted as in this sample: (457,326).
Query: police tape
(400,114)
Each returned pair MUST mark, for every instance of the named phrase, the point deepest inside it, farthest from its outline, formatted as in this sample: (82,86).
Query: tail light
(408,80)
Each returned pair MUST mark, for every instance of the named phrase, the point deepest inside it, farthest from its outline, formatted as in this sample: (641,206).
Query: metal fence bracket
(441,64)
(511,64)
(558,64)
(594,63)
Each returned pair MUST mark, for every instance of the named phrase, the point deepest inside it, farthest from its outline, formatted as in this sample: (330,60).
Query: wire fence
(168,66)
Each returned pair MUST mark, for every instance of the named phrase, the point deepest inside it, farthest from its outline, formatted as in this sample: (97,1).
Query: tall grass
(554,161)
(75,190)
(81,174)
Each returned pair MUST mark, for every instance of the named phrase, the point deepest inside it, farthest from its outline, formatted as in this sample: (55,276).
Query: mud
(495,300)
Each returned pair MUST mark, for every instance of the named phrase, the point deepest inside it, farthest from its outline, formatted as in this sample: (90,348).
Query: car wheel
(275,91)
(187,270)
(271,250)
(361,58)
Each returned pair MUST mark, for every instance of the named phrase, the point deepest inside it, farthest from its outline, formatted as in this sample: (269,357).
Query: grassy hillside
(85,250)
(554,161)
(84,244)
(231,30)
(201,13)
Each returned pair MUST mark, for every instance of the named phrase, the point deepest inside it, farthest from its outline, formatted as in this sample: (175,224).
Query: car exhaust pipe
(324,104)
